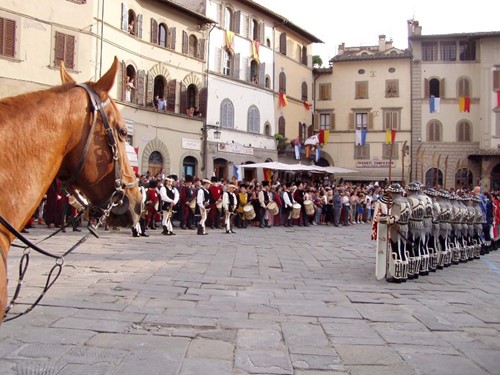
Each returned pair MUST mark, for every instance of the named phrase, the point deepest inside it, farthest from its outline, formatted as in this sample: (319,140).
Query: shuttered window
(64,50)
(391,119)
(361,90)
(253,120)
(496,80)
(7,37)
(227,114)
(325,90)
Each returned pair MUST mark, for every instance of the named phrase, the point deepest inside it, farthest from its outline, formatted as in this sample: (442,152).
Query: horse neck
(35,130)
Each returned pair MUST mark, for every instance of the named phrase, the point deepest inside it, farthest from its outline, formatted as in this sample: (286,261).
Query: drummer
(264,199)
(300,196)
(242,198)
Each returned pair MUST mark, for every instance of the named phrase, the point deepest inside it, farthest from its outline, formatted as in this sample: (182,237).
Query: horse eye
(123,132)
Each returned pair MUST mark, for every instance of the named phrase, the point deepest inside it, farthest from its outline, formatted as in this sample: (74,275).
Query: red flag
(393,136)
(307,105)
(268,174)
(283,100)
(498,98)
(467,104)
(321,137)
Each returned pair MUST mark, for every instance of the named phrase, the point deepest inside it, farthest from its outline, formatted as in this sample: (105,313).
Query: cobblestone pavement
(262,301)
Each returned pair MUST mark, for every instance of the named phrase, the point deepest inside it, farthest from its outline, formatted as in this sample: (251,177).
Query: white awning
(298,167)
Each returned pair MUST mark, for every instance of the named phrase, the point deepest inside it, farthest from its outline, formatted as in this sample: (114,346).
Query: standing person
(287,204)
(346,208)
(264,199)
(170,197)
(215,201)
(162,104)
(299,197)
(243,200)
(152,204)
(188,203)
(202,205)
(54,205)
(140,228)
(229,203)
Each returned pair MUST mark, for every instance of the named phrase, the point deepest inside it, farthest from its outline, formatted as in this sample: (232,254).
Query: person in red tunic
(54,206)
(188,203)
(152,204)
(216,191)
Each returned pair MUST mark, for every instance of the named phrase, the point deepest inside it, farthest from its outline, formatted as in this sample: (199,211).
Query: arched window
(434,87)
(155,162)
(192,96)
(253,120)
(229,19)
(228,60)
(434,177)
(267,129)
(302,131)
(132,22)
(463,179)
(434,131)
(255,30)
(281,125)
(189,166)
(268,81)
(464,131)
(463,87)
(282,82)
(304,55)
(283,43)
(131,84)
(193,46)
(227,114)
(159,86)
(304,91)
(162,35)
(254,72)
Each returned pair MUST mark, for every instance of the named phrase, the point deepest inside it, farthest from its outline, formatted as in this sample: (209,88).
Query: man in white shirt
(169,196)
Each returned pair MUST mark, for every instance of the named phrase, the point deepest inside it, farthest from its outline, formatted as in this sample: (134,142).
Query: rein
(118,201)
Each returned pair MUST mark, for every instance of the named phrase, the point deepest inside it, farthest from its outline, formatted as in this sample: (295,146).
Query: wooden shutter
(220,15)
(301,139)
(201,49)
(244,26)
(185,42)
(122,81)
(7,37)
(140,21)
(183,100)
(172,36)
(283,43)
(154,31)
(124,17)
(69,51)
(237,21)
(332,122)
(441,89)
(218,60)
(426,88)
(261,32)
(370,121)
(150,88)
(316,121)
(236,65)
(59,49)
(203,100)
(262,74)
(140,91)
(496,80)
(171,95)
(352,125)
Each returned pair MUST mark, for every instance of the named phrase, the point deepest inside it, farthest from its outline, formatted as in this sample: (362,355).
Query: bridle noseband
(118,202)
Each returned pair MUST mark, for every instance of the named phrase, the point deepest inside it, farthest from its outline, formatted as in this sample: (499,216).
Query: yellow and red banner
(283,100)
(390,136)
(255,49)
(230,41)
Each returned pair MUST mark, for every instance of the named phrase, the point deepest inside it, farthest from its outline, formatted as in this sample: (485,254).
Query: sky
(360,22)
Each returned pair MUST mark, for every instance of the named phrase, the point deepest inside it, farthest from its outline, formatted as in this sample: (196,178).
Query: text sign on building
(191,144)
(235,148)
(374,164)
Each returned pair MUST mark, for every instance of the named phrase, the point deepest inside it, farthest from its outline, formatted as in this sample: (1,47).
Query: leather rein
(118,201)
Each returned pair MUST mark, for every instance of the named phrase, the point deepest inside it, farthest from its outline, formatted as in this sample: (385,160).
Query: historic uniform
(202,205)
(299,196)
(243,200)
(215,202)
(188,203)
(152,201)
(229,203)
(416,232)
(169,196)
(264,200)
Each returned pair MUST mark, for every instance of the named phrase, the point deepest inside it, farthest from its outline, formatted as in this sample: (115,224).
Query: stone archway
(159,146)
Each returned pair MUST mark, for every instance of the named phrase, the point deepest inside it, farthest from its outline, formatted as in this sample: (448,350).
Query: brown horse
(73,132)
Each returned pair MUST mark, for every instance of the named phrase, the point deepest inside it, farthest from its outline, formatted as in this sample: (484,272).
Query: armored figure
(456,229)
(399,216)
(464,249)
(444,228)
(471,241)
(433,244)
(478,227)
(416,233)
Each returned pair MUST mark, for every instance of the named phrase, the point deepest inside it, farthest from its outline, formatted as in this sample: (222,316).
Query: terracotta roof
(477,35)
(198,16)
(486,152)
(364,54)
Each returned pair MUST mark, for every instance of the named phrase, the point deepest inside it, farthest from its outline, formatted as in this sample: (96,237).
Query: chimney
(413,28)
(381,43)
(341,49)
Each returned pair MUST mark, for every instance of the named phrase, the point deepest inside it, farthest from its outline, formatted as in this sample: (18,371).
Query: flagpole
(403,153)
(390,163)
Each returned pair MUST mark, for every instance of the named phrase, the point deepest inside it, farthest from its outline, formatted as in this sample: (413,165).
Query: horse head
(96,162)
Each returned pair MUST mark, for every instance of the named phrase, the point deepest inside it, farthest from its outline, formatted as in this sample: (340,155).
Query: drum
(273,208)
(295,211)
(192,205)
(75,203)
(309,207)
(248,212)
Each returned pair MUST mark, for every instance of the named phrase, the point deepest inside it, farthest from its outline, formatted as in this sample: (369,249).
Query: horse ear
(65,77)
(108,80)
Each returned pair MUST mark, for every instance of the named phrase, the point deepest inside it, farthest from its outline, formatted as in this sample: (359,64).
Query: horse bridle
(118,202)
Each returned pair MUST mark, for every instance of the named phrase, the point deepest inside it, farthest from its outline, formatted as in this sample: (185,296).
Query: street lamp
(204,131)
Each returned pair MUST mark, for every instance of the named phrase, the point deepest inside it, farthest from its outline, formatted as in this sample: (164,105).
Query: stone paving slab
(300,301)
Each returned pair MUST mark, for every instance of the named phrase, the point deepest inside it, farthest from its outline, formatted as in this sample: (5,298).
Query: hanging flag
(321,137)
(297,151)
(237,172)
(307,105)
(283,99)
(432,104)
(326,136)
(318,154)
(312,140)
(358,137)
(461,104)
(437,105)
(498,98)
(308,151)
(229,41)
(390,136)
(255,49)
(467,104)
(363,136)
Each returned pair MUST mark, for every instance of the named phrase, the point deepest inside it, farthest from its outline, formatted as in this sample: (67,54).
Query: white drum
(273,208)
(295,211)
(248,212)
(309,207)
